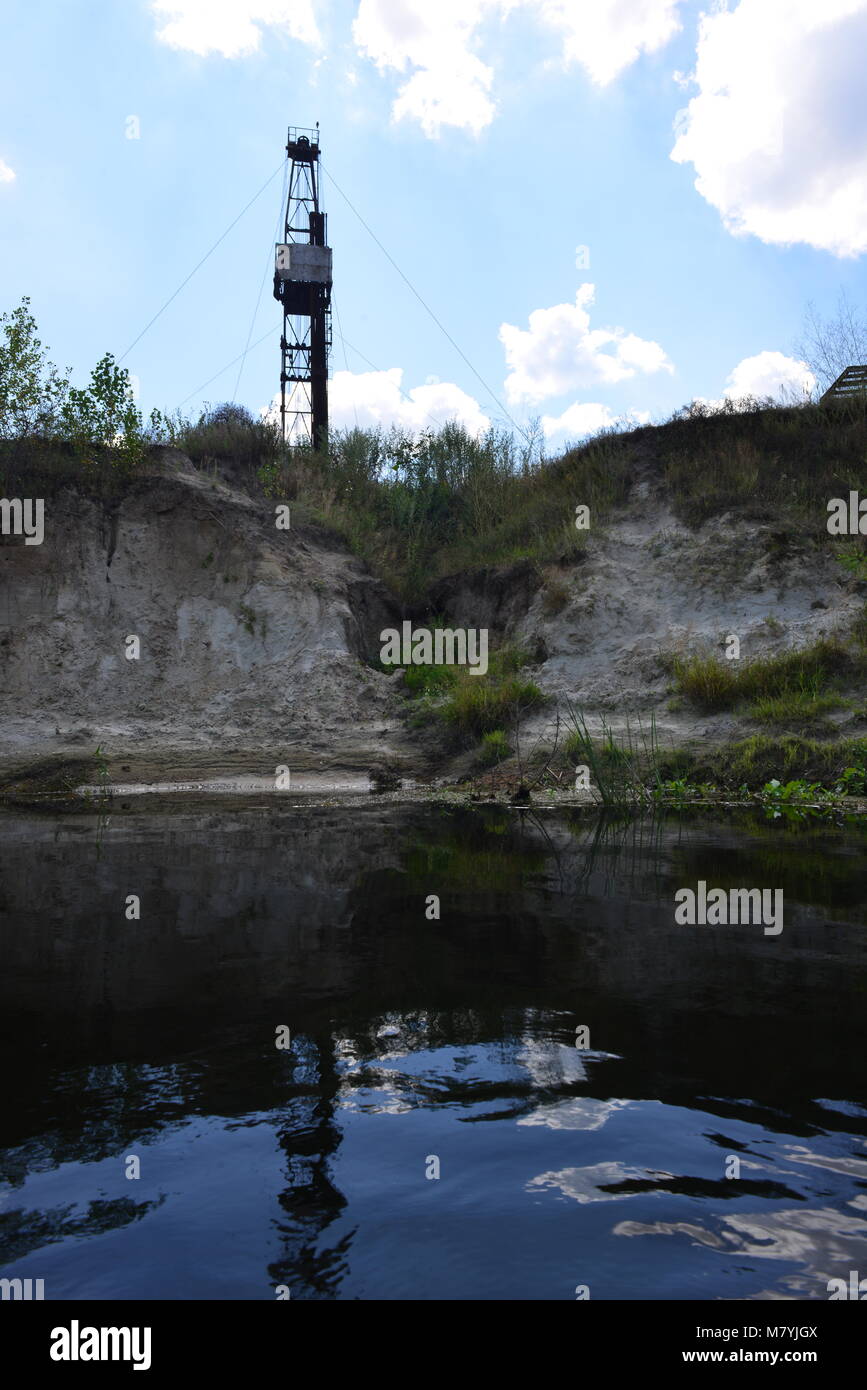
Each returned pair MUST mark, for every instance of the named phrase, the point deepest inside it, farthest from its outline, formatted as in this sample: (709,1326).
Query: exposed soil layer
(258,647)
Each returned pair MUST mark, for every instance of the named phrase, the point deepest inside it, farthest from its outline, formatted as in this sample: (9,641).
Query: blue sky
(483,141)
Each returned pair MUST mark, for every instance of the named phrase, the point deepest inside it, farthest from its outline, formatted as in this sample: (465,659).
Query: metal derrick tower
(302,283)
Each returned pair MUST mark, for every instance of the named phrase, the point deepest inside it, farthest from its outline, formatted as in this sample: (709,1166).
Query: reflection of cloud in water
(580,1113)
(383,1101)
(828,1243)
(855,1167)
(585,1184)
(398,1079)
(673,1228)
(555,1064)
(393,1077)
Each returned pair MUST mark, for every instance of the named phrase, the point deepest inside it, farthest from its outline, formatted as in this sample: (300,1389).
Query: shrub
(103,417)
(759,759)
(229,433)
(429,680)
(480,706)
(495,748)
(853,781)
(709,681)
(804,708)
(715,684)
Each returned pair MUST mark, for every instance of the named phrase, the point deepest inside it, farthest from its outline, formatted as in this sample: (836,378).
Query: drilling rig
(302,283)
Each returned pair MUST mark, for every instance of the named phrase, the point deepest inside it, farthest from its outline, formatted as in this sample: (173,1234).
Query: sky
(612,207)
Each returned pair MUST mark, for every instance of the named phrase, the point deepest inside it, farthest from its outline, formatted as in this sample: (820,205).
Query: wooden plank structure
(852,382)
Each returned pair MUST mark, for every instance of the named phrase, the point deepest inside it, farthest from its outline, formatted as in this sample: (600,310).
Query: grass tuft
(714,684)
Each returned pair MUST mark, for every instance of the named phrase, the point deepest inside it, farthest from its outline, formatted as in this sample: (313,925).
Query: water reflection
(414,1038)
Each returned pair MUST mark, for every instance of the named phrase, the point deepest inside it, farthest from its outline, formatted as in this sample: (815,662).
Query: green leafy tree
(32,391)
(103,416)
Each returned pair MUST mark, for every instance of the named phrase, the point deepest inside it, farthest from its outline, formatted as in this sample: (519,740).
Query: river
(339,1052)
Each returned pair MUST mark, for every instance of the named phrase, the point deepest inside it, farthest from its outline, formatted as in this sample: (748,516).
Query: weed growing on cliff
(429,680)
(418,507)
(229,433)
(556,596)
(748,764)
(480,706)
(802,709)
(473,705)
(495,748)
(715,684)
(776,462)
(853,558)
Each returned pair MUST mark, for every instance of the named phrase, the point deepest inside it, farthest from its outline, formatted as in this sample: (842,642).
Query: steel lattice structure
(302,284)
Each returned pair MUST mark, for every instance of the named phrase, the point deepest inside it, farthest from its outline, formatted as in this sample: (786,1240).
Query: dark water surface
(415,1040)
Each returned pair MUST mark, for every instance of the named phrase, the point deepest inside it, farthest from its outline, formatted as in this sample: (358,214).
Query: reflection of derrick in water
(310,1201)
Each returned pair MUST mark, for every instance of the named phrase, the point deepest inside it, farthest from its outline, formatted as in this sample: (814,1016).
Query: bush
(229,433)
(495,748)
(103,416)
(429,680)
(803,708)
(479,706)
(714,683)
(853,781)
(757,760)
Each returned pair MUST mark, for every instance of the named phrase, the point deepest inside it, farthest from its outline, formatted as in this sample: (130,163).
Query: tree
(105,415)
(829,346)
(32,391)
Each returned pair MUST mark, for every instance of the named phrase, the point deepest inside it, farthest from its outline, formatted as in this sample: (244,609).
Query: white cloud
(375,398)
(459,98)
(769,374)
(606,36)
(449,84)
(560,352)
(231,28)
(765,375)
(370,399)
(585,418)
(7,173)
(775,132)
